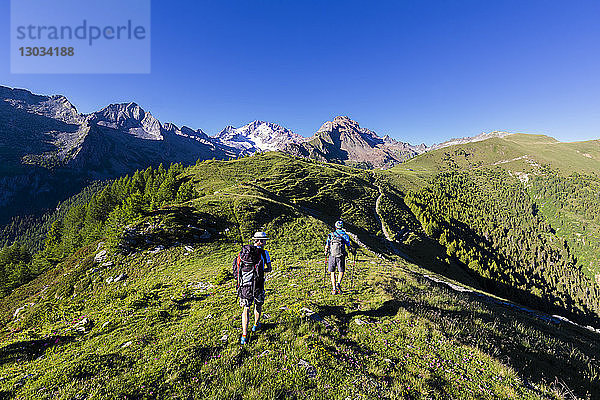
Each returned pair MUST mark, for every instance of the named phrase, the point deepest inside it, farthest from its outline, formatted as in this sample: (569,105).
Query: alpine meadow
(476,277)
(300,200)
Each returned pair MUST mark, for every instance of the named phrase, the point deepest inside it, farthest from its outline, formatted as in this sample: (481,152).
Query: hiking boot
(255,327)
(338,289)
(334,291)
(243,340)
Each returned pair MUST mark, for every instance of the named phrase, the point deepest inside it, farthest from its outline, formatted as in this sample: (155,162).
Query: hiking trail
(384,228)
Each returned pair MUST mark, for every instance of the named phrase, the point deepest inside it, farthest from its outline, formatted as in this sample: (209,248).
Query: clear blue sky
(421,71)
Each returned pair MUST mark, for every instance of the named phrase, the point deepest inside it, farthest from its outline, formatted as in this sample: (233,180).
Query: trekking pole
(325,275)
(352,273)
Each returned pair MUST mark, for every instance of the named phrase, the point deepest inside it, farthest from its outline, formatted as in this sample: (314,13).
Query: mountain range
(50,151)
(49,131)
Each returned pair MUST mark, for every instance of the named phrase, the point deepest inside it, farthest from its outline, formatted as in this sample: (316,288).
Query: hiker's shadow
(267,326)
(387,309)
(186,303)
(335,313)
(326,311)
(30,349)
(342,319)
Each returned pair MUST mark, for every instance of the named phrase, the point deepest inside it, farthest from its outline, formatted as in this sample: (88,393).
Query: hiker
(249,269)
(336,249)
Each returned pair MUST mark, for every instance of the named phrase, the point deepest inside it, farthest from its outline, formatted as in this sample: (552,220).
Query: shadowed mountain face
(31,124)
(48,150)
(344,141)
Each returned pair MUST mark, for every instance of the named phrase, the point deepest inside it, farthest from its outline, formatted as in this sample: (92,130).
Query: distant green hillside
(562,180)
(517,152)
(571,206)
(135,298)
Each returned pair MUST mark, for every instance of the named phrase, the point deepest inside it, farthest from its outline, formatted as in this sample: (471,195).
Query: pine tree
(53,248)
(133,206)
(166,191)
(186,192)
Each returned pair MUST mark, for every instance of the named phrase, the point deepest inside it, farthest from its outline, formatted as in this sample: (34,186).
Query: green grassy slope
(169,331)
(540,162)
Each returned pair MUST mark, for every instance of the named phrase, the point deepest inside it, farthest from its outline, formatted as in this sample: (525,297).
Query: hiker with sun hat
(250,267)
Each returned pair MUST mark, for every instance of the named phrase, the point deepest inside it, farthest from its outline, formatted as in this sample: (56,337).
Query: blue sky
(420,71)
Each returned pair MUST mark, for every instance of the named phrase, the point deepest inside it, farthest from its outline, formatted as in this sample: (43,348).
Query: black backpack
(336,245)
(248,270)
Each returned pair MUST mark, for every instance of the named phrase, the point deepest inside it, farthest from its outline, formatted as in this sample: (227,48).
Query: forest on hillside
(487,221)
(100,211)
(571,204)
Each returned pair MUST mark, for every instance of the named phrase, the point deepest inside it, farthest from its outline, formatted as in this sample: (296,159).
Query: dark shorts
(338,263)
(256,300)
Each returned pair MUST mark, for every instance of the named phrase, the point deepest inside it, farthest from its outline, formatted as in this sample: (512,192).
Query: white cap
(260,236)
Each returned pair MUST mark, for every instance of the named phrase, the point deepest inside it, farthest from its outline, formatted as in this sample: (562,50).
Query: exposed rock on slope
(50,151)
(478,138)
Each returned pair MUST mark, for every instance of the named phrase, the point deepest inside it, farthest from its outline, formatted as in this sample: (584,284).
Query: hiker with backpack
(335,248)
(249,268)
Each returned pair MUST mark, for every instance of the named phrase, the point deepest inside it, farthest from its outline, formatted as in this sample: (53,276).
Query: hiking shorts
(338,263)
(257,300)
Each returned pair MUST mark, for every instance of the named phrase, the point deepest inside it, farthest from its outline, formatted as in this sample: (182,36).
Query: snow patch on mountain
(258,136)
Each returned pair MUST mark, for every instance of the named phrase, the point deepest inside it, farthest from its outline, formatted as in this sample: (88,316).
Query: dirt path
(384,228)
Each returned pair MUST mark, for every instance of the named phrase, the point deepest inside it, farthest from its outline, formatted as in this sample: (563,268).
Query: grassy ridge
(168,332)
(517,152)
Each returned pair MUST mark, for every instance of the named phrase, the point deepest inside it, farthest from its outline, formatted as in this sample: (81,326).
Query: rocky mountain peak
(121,112)
(471,139)
(21,95)
(60,108)
(189,131)
(343,140)
(185,131)
(55,107)
(256,123)
(339,123)
(344,120)
(129,117)
(227,133)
